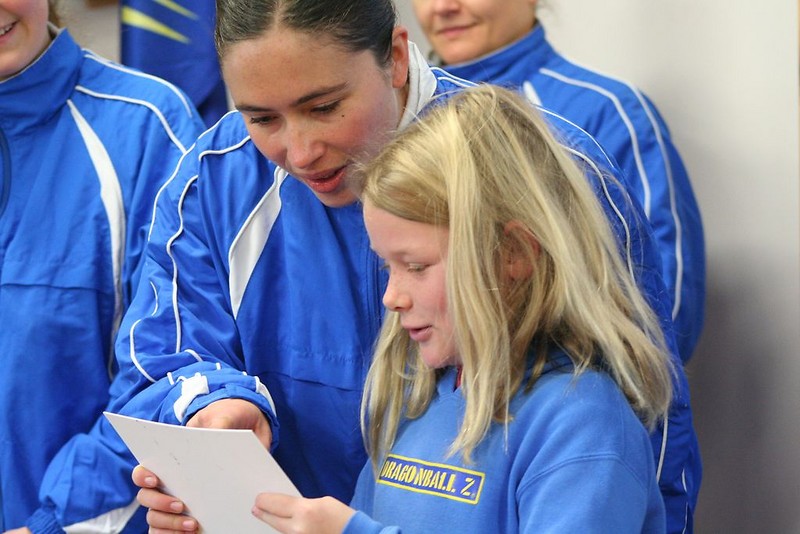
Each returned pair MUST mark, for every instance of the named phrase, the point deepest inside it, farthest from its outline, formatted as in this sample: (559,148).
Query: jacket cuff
(43,521)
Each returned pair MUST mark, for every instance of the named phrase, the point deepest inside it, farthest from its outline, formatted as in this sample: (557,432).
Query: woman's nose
(445,6)
(302,148)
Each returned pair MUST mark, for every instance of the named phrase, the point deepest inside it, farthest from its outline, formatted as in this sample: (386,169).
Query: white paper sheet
(216,473)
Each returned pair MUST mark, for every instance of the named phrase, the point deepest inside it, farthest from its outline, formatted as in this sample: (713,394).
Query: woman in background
(502,41)
(85,144)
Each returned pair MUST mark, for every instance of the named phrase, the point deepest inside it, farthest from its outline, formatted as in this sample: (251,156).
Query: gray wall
(725,76)
(96,28)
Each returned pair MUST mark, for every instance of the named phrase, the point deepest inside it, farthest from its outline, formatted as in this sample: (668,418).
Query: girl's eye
(410,267)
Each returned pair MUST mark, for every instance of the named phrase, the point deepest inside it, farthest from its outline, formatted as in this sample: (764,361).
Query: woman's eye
(326,108)
(261,120)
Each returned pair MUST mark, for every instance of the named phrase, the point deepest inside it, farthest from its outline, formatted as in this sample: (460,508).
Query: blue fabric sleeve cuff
(43,521)
(361,523)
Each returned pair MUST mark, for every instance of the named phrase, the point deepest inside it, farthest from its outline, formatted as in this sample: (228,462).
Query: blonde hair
(484,159)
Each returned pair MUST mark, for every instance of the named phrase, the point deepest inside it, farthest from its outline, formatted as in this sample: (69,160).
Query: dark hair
(357,25)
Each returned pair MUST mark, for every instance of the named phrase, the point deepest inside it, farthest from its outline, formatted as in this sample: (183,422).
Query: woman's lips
(326,183)
(453,31)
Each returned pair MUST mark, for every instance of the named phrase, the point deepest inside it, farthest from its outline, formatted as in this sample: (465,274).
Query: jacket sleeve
(594,494)
(667,251)
(361,523)
(675,446)
(178,348)
(158,160)
(363,502)
(177,351)
(637,137)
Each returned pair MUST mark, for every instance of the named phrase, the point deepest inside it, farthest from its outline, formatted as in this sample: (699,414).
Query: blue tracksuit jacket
(84,146)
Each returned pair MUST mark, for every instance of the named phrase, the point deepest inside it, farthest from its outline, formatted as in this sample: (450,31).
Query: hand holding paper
(216,473)
(325,515)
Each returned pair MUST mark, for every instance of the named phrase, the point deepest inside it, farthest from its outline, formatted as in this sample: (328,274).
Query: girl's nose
(394,298)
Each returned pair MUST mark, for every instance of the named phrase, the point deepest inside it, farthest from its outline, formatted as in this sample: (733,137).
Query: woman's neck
(402,98)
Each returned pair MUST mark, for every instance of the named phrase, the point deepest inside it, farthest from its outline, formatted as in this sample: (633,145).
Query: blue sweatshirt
(84,146)
(575,458)
(628,126)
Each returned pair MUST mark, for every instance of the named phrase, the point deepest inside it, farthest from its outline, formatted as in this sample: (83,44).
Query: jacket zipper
(5,173)
(377,309)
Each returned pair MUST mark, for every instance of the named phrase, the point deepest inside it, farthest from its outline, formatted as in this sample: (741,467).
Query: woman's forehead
(287,47)
(279,37)
(282,66)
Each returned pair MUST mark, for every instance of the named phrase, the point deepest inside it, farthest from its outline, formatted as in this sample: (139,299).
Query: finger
(166,522)
(160,502)
(281,524)
(144,478)
(276,504)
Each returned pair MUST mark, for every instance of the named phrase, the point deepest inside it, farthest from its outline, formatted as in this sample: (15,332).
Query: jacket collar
(513,63)
(41,89)
(421,86)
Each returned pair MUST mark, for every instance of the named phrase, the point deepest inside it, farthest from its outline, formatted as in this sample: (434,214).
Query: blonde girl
(518,364)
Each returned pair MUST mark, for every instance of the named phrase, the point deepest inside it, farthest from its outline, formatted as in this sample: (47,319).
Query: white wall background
(725,75)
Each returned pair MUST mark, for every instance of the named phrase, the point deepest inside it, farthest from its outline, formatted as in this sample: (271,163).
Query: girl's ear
(518,244)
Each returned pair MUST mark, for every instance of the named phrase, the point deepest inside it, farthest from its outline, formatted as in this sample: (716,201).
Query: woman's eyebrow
(324,91)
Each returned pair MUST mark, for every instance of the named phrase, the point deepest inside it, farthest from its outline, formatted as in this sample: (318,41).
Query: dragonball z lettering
(440,480)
